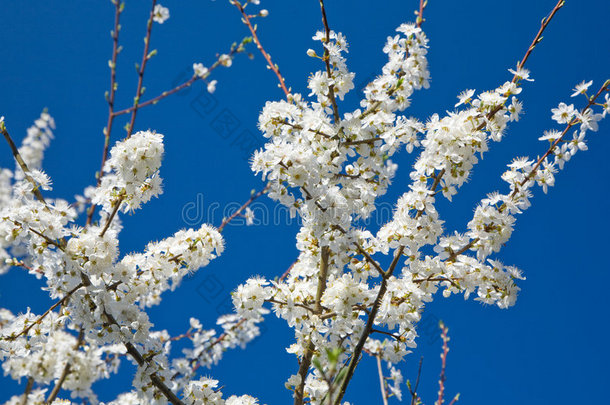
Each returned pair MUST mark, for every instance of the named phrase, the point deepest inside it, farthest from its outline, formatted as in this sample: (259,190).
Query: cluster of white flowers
(28,224)
(102,296)
(36,141)
(131,174)
(206,391)
(42,354)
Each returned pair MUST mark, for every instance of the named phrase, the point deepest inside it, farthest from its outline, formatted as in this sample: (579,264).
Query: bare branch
(270,64)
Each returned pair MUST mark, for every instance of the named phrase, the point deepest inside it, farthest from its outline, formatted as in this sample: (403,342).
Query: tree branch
(145,58)
(270,64)
(111,93)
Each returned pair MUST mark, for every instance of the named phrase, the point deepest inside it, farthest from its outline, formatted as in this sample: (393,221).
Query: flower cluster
(103,297)
(131,174)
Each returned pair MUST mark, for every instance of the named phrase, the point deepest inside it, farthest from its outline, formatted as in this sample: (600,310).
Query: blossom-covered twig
(21,162)
(65,372)
(326,58)
(47,312)
(517,74)
(559,139)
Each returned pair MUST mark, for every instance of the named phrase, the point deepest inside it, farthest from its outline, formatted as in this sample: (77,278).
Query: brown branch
(137,356)
(369,326)
(383,332)
(60,245)
(297,304)
(573,122)
(215,342)
(161,96)
(296,126)
(234,50)
(270,64)
(454,255)
(145,57)
(432,279)
(113,114)
(47,312)
(360,141)
(420,14)
(113,86)
(226,221)
(543,24)
(154,378)
(370,260)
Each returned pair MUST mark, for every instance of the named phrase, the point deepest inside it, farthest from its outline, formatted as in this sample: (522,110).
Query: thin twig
(441,381)
(270,64)
(217,341)
(111,93)
(573,122)
(543,24)
(154,378)
(370,260)
(112,215)
(414,396)
(226,221)
(114,114)
(145,57)
(420,14)
(47,312)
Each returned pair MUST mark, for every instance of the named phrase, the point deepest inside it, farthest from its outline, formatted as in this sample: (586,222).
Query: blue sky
(550,348)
